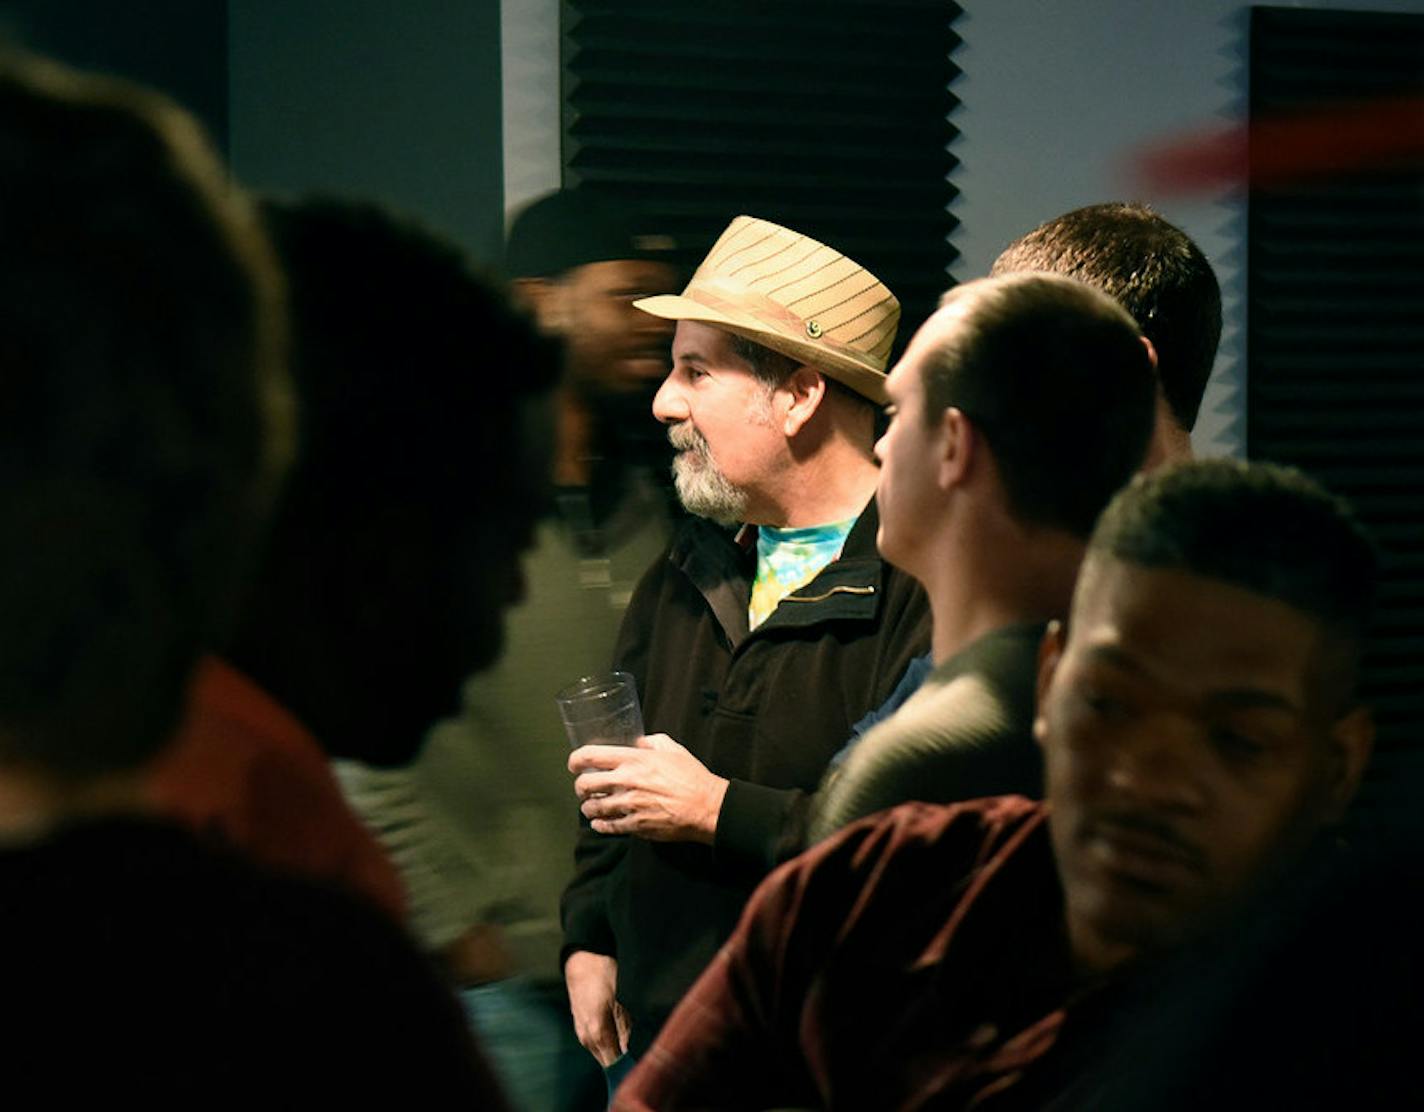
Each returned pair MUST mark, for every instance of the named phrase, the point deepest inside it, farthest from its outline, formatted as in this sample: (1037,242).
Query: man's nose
(1159,766)
(669,406)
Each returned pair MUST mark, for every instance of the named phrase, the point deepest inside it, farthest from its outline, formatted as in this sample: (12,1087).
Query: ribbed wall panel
(830,117)
(1336,344)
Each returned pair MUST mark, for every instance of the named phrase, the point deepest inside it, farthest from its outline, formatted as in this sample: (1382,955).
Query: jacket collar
(720,566)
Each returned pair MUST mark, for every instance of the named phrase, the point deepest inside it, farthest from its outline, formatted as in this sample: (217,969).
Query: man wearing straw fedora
(768,628)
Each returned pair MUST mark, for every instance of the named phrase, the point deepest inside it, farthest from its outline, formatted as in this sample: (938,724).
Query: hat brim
(859,376)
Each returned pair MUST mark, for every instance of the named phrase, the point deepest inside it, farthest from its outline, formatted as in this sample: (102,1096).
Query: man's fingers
(598,757)
(624,1025)
(605,806)
(599,783)
(604,1041)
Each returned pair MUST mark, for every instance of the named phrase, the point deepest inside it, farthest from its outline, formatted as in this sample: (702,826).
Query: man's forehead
(1195,632)
(647,273)
(704,342)
(943,323)
(938,330)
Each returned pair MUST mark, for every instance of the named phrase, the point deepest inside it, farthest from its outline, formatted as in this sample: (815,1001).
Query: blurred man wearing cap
(580,260)
(481,826)
(753,651)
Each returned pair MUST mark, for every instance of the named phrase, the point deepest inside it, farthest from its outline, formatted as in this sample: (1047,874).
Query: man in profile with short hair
(1201,735)
(1158,275)
(147,424)
(753,652)
(1008,381)
(1165,282)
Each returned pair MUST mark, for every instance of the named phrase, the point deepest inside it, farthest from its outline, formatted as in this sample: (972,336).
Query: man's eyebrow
(1243,698)
(1253,698)
(1111,654)
(690,357)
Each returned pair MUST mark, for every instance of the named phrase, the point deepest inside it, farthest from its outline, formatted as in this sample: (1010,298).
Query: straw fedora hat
(787,292)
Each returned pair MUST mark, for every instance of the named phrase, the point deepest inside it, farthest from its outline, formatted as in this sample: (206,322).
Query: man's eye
(1103,705)
(1236,745)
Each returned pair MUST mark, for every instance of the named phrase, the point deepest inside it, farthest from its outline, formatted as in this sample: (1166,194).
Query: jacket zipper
(837,590)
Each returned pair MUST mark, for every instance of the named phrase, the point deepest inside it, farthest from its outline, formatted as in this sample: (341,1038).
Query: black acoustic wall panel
(1336,334)
(829,116)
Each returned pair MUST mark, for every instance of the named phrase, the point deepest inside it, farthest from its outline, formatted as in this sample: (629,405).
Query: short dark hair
(406,360)
(770,368)
(142,431)
(1154,270)
(1264,527)
(1055,377)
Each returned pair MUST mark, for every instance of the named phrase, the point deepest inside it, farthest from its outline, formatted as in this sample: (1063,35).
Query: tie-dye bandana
(791,558)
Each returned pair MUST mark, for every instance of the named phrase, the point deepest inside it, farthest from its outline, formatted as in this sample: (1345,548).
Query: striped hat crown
(794,295)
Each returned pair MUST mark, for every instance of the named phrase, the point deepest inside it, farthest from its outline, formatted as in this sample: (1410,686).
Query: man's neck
(834,486)
(573,440)
(1170,442)
(1003,574)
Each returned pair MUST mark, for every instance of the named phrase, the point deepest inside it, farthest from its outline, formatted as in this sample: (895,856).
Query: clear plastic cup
(601,710)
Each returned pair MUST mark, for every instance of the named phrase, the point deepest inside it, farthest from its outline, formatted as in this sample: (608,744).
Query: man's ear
(546,299)
(1151,351)
(1050,652)
(958,446)
(1352,740)
(805,390)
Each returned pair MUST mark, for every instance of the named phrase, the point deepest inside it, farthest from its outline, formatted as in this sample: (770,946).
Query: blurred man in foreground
(146,425)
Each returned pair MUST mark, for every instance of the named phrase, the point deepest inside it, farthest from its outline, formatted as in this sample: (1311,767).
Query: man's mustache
(1148,827)
(685,438)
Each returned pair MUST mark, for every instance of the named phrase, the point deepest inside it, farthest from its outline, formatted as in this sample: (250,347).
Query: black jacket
(766,709)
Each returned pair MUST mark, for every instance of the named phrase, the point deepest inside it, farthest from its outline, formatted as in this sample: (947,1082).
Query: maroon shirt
(918,959)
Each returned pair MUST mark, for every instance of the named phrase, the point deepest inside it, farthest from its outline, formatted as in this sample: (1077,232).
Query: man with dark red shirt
(1200,732)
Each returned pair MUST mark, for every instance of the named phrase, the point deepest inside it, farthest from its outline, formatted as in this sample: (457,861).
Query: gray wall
(532,129)
(397,102)
(179,46)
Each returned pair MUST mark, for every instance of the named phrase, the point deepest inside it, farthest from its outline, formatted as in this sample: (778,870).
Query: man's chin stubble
(707,494)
